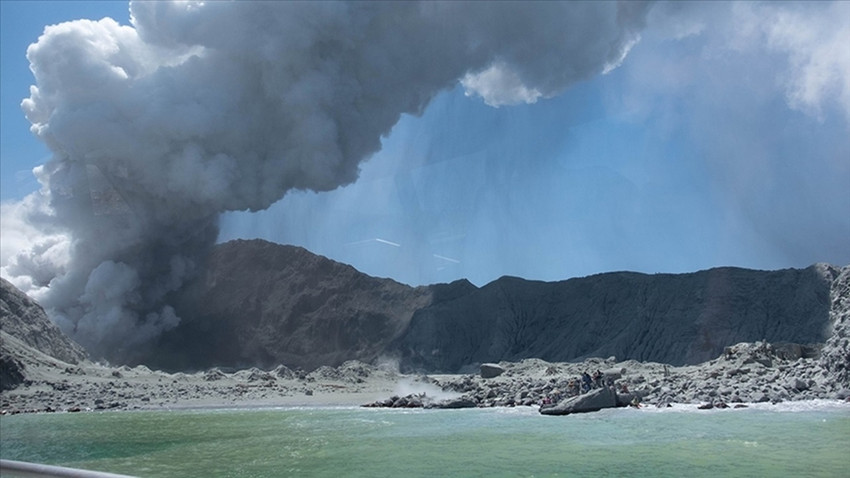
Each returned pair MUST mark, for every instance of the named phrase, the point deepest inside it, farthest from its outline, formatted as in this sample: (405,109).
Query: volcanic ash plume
(200,108)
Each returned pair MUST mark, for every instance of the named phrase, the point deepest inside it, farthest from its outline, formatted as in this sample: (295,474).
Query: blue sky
(710,145)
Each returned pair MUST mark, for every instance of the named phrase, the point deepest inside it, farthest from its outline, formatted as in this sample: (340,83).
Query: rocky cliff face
(25,330)
(23,318)
(676,319)
(263,304)
(835,357)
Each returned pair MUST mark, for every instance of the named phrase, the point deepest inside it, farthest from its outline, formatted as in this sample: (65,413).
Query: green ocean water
(769,441)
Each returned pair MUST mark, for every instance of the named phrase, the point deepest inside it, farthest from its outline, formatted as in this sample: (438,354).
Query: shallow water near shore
(782,440)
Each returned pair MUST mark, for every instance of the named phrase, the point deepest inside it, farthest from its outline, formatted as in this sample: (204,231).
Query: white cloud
(814,38)
(30,254)
(499,85)
(756,98)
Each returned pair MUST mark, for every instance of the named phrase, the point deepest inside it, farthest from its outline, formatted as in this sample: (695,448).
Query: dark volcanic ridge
(263,304)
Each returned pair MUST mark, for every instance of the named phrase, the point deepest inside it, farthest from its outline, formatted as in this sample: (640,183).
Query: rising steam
(204,107)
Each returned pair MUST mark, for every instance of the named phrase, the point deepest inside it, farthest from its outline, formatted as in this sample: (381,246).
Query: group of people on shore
(584,384)
(577,386)
(587,382)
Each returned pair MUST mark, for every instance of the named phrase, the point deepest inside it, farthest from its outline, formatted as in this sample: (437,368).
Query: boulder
(797,384)
(408,401)
(459,402)
(788,351)
(592,401)
(284,372)
(611,375)
(491,370)
(11,372)
(625,399)
(254,374)
(213,374)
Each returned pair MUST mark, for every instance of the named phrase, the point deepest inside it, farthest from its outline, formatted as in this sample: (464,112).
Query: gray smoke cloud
(198,108)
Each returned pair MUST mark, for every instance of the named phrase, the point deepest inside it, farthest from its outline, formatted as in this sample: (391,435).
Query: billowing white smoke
(201,108)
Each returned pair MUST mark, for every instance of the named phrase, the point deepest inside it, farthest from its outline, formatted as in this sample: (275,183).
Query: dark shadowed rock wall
(264,304)
(676,319)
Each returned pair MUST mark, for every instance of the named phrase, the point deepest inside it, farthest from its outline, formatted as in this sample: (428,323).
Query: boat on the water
(23,469)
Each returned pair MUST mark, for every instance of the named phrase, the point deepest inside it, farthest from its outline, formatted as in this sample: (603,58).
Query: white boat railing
(22,469)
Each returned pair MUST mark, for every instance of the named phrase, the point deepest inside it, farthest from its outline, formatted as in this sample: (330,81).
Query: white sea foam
(788,406)
(804,406)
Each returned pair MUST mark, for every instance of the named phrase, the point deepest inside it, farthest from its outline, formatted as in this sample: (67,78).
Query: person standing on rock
(587,382)
(597,378)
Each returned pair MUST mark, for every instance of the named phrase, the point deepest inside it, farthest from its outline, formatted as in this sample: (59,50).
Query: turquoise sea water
(799,440)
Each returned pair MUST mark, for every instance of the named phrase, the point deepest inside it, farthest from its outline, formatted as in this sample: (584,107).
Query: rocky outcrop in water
(593,401)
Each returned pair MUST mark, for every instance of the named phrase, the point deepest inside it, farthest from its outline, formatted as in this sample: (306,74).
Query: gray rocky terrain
(42,370)
(23,326)
(55,386)
(836,352)
(747,373)
(743,373)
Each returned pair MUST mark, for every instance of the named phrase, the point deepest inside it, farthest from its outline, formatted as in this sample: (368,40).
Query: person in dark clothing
(587,382)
